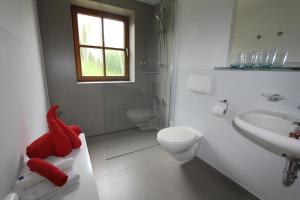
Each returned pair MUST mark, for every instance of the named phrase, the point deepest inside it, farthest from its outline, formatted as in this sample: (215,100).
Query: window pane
(91,62)
(114,33)
(115,63)
(90,30)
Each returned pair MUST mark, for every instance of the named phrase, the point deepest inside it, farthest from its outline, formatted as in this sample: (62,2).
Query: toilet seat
(177,139)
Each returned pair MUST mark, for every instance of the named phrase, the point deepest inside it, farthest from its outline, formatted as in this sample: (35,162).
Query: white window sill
(102,82)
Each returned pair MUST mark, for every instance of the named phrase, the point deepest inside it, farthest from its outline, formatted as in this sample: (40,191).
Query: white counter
(87,189)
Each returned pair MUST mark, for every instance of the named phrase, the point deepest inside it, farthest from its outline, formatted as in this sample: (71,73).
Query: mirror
(267,24)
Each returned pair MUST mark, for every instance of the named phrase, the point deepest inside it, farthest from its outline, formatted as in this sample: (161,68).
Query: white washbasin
(270,130)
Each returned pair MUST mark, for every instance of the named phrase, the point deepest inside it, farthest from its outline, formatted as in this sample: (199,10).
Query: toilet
(181,142)
(142,118)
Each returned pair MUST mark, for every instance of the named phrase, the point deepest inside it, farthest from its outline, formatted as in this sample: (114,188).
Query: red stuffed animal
(59,141)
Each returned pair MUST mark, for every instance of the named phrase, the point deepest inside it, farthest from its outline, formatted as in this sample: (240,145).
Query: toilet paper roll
(220,109)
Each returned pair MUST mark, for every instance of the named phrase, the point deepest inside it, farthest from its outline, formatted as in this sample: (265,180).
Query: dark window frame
(80,10)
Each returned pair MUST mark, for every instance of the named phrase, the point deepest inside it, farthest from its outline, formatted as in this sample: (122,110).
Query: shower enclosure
(164,34)
(146,103)
(142,108)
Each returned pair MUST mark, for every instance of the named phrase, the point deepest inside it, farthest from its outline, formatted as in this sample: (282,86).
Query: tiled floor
(125,142)
(152,174)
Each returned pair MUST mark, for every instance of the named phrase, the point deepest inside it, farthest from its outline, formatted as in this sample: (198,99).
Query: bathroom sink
(270,130)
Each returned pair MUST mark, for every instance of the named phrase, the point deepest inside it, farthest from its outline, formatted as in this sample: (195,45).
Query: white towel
(59,193)
(46,189)
(11,196)
(29,179)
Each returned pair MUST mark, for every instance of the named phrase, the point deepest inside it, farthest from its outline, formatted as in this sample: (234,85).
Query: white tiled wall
(203,39)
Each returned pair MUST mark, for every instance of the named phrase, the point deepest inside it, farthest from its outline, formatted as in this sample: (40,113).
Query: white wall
(23,94)
(203,39)
(201,30)
(266,18)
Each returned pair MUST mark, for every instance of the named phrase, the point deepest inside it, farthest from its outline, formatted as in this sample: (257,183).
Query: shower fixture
(159,23)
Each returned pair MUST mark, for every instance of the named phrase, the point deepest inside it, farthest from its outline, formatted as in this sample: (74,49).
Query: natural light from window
(90,30)
(102,47)
(112,30)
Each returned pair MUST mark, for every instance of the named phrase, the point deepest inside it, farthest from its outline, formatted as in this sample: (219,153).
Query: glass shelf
(271,69)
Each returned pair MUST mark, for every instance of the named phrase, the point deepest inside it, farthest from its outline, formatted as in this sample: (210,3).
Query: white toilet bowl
(141,117)
(181,142)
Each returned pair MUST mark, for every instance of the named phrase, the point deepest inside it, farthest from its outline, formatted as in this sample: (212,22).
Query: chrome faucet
(296,133)
(297,128)
(273,97)
(292,165)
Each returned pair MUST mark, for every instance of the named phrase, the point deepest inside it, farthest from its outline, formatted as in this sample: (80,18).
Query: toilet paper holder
(226,103)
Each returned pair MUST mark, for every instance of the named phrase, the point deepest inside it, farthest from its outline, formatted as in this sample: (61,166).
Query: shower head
(157,18)
(159,23)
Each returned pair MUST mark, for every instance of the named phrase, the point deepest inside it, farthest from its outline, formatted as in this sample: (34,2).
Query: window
(101,43)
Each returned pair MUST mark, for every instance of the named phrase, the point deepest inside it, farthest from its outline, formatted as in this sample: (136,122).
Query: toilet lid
(177,135)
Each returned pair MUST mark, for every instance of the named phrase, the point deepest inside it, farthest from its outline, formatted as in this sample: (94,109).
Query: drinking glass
(268,57)
(249,59)
(237,60)
(280,58)
(242,59)
(257,59)
(234,60)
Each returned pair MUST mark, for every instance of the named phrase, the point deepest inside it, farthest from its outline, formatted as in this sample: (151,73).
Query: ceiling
(151,2)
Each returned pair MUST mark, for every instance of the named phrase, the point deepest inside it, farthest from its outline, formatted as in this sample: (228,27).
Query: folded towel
(11,196)
(28,179)
(61,163)
(71,134)
(47,170)
(43,146)
(60,192)
(73,137)
(61,142)
(76,129)
(46,189)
